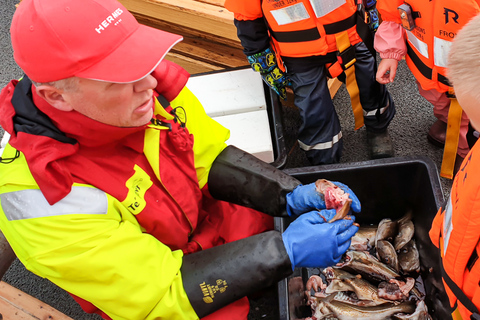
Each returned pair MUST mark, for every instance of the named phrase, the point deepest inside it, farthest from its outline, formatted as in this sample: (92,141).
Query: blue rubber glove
(265,62)
(305,198)
(313,243)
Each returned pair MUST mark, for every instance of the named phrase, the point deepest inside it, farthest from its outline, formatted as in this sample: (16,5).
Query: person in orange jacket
(304,42)
(456,227)
(423,31)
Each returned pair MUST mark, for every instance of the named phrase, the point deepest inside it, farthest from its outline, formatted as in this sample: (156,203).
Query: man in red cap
(117,187)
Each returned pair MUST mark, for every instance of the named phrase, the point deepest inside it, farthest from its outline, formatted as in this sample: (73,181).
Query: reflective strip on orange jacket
(304,27)
(428,44)
(456,231)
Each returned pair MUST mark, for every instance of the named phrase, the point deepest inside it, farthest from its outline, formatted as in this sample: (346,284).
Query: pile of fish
(374,280)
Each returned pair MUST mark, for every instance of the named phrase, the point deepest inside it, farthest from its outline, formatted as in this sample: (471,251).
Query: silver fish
(405,234)
(408,258)
(344,311)
(421,313)
(336,273)
(340,281)
(387,230)
(368,266)
(364,239)
(387,254)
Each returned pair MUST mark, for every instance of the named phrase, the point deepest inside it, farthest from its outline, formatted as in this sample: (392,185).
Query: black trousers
(320,134)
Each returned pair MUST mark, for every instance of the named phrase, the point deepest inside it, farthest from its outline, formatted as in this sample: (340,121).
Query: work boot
(379,145)
(437,133)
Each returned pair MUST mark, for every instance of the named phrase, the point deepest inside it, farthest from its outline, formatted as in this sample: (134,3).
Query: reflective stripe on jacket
(428,44)
(304,27)
(456,231)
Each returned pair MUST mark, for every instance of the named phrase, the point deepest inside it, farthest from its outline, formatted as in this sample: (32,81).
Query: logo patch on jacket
(137,185)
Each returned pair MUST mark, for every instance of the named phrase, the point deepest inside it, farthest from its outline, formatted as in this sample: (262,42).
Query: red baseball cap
(93,39)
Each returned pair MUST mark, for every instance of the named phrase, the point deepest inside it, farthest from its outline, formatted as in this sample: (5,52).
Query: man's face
(470,105)
(116,104)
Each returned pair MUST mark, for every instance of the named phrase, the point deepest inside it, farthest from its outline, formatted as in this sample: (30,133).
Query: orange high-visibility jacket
(456,232)
(301,28)
(436,25)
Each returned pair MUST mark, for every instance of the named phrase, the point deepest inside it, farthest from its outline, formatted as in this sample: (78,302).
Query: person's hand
(313,243)
(265,62)
(305,198)
(387,69)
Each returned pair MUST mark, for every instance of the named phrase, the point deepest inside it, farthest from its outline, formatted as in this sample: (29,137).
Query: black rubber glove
(239,177)
(221,275)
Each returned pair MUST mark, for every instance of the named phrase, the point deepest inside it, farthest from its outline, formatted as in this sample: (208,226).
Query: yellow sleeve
(209,135)
(96,251)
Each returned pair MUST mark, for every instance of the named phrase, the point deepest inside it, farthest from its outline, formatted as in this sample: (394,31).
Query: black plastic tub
(274,109)
(387,188)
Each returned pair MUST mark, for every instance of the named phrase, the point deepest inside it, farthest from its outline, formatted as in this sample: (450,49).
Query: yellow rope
(451,139)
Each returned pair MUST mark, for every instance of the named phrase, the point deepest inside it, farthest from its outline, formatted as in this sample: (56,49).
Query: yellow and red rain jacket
(301,28)
(107,213)
(456,232)
(436,25)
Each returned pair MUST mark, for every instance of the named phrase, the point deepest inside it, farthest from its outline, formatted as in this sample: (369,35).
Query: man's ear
(54,96)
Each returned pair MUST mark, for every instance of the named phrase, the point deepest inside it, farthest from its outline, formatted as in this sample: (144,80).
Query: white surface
(250,131)
(4,141)
(237,101)
(229,92)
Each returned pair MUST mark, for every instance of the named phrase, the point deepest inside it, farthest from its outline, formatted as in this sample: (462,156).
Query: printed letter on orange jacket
(302,28)
(456,231)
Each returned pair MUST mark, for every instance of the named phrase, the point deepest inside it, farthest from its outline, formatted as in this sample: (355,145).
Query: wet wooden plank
(219,3)
(193,66)
(210,39)
(197,15)
(17,305)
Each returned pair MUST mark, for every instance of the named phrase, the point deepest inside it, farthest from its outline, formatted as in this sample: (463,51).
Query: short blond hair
(69,84)
(464,59)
